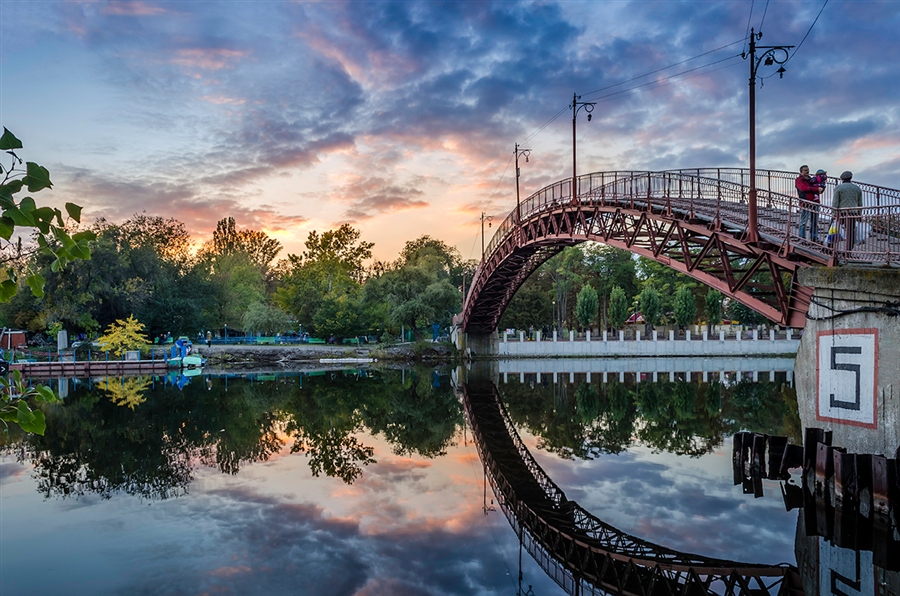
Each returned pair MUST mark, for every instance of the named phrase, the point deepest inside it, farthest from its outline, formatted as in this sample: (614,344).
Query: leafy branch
(47,223)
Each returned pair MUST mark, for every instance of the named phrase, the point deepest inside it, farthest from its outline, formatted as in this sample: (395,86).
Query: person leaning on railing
(848,195)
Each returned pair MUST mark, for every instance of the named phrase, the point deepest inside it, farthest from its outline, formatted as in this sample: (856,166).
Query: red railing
(719,196)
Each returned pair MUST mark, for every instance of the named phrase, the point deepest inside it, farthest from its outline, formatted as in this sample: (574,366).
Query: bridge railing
(721,195)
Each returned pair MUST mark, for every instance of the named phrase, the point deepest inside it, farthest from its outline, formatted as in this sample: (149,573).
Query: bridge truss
(693,221)
(583,554)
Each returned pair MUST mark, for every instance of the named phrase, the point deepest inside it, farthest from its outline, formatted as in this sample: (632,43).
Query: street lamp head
(590,116)
(781,72)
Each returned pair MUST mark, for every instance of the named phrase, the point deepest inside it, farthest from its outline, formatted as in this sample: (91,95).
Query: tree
(123,335)
(265,319)
(586,306)
(618,307)
(610,267)
(258,247)
(684,306)
(649,305)
(713,303)
(563,271)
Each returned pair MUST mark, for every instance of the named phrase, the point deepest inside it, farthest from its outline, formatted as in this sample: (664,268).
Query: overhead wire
(797,49)
(652,72)
(765,10)
(658,81)
(749,18)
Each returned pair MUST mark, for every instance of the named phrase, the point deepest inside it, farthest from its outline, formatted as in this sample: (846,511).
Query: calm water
(365,482)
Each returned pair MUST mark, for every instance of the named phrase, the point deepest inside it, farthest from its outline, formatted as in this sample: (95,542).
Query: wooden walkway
(52,370)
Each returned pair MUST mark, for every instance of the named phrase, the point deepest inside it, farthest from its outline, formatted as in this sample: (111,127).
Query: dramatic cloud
(393,114)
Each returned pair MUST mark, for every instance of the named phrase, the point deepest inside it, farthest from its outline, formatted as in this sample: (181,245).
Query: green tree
(649,305)
(713,310)
(563,270)
(618,307)
(265,319)
(586,306)
(609,267)
(684,306)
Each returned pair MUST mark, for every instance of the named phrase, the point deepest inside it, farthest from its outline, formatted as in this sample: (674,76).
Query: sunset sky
(401,118)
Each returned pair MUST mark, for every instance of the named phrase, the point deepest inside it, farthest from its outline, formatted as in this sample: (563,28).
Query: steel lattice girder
(756,276)
(587,548)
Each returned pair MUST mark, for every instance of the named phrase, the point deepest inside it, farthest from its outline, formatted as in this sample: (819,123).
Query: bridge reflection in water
(580,552)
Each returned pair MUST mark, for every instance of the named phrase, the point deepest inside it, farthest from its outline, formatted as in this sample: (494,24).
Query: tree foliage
(266,319)
(586,306)
(684,306)
(713,308)
(50,230)
(122,336)
(618,307)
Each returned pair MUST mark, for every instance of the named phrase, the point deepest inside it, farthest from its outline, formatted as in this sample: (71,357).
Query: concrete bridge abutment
(848,364)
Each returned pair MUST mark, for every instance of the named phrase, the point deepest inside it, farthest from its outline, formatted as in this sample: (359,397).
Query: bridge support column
(480,345)
(846,369)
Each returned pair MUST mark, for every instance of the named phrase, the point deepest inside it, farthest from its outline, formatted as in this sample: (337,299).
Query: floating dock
(53,370)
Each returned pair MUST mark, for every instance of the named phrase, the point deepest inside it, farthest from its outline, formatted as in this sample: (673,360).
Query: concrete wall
(749,344)
(848,366)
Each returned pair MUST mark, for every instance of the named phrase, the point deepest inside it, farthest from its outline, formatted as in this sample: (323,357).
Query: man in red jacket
(809,203)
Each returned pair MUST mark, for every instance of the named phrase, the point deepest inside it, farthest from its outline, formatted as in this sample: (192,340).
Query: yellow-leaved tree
(122,336)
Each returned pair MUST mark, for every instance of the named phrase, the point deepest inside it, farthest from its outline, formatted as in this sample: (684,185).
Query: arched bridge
(694,221)
(582,553)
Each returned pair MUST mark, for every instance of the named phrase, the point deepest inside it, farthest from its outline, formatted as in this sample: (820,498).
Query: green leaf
(19,217)
(36,177)
(9,141)
(30,421)
(81,251)
(44,393)
(86,235)
(8,414)
(8,289)
(36,283)
(27,205)
(7,227)
(74,211)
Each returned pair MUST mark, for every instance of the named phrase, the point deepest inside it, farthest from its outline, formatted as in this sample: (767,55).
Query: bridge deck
(694,221)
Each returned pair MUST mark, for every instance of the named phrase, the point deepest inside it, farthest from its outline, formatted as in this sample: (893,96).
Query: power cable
(797,49)
(765,10)
(553,118)
(589,93)
(660,81)
(749,18)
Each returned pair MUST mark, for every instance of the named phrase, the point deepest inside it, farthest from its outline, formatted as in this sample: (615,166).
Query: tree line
(86,278)
(146,267)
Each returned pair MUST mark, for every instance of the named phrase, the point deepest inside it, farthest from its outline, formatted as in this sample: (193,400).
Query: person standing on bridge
(809,193)
(848,195)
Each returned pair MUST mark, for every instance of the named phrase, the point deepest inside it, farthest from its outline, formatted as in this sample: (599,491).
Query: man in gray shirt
(848,196)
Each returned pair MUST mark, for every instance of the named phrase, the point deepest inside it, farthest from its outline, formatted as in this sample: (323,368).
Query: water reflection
(386,473)
(139,435)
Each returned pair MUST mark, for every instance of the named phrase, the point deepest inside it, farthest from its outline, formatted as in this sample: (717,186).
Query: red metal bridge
(582,553)
(696,222)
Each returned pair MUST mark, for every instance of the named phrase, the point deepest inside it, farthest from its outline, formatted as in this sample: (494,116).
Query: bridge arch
(580,552)
(694,221)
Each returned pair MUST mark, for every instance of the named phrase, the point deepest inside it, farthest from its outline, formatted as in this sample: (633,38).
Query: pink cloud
(133,9)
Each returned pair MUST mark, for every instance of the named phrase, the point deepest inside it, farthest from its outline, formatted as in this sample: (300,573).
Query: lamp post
(588,107)
(484,218)
(525,153)
(772,55)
